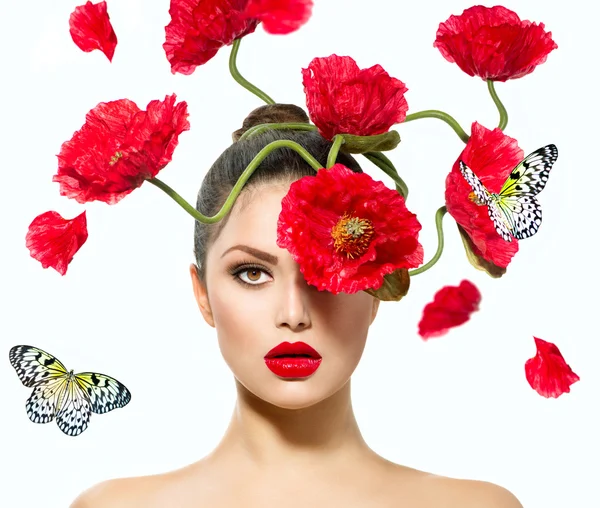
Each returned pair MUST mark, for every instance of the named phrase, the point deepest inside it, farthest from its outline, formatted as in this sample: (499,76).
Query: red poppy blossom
(119,147)
(280,16)
(493,43)
(199,28)
(491,155)
(547,372)
(90,29)
(451,306)
(53,241)
(343,99)
(346,230)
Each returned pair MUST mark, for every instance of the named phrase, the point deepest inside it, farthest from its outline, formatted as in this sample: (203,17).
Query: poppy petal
(280,16)
(53,240)
(451,306)
(90,29)
(547,372)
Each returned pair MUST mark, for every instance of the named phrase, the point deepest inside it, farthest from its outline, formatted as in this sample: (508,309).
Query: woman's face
(254,308)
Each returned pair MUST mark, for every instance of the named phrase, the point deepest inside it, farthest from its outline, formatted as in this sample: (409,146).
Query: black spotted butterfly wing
(62,395)
(515,210)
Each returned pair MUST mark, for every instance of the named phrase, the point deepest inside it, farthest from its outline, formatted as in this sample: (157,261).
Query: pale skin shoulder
(416,488)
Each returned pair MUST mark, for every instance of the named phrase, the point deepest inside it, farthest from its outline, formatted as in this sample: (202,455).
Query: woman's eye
(252,275)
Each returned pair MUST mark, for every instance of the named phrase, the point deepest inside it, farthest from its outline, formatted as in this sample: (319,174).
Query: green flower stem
(334,150)
(439,215)
(499,105)
(254,163)
(260,128)
(434,113)
(240,79)
(383,163)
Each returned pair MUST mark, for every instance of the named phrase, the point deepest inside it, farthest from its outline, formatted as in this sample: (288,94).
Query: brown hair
(281,165)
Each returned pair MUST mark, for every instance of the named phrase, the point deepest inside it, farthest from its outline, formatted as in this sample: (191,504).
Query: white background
(458,405)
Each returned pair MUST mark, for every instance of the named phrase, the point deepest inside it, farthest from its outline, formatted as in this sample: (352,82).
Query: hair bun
(272,113)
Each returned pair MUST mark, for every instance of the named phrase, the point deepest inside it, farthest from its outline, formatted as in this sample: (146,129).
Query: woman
(293,438)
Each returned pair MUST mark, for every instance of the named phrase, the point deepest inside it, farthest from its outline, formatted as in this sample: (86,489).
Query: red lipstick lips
(293,360)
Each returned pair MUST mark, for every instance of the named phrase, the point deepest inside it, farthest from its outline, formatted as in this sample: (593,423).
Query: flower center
(115,158)
(352,235)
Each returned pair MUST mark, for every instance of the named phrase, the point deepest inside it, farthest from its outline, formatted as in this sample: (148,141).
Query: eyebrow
(265,256)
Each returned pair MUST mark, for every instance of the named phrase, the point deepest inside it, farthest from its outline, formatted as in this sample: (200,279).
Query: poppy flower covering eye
(342,238)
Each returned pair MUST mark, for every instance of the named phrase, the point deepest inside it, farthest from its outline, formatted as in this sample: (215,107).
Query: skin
(290,442)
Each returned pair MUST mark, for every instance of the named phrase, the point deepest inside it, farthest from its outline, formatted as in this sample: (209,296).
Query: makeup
(293,360)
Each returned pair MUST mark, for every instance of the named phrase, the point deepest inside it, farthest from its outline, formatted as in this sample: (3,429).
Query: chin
(292,394)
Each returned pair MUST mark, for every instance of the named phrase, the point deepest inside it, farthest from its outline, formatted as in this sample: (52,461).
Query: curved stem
(237,188)
(334,150)
(240,79)
(439,215)
(434,113)
(260,128)
(501,109)
(383,163)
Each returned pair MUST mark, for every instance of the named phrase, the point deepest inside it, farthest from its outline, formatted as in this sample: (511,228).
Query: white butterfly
(71,398)
(515,211)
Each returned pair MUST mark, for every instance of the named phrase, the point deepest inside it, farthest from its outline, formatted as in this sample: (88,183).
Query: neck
(267,435)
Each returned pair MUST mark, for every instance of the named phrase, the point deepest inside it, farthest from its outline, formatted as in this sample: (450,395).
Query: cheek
(238,320)
(347,319)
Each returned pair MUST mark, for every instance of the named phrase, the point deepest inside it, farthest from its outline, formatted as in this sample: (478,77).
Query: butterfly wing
(45,398)
(502,228)
(105,393)
(523,214)
(33,365)
(479,189)
(75,410)
(530,176)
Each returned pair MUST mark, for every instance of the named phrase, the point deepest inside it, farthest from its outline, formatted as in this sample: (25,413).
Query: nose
(294,303)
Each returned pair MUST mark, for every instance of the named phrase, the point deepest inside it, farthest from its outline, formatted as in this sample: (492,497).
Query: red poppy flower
(451,306)
(280,16)
(53,241)
(346,230)
(491,155)
(493,43)
(90,28)
(119,147)
(343,99)
(547,372)
(199,28)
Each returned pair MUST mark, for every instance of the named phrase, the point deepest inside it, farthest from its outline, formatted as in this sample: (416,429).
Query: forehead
(254,216)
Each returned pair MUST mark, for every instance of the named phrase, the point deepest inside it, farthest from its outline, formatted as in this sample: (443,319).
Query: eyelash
(237,268)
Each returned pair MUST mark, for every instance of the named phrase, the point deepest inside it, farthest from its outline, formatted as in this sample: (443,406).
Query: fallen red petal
(547,372)
(90,29)
(53,240)
(451,306)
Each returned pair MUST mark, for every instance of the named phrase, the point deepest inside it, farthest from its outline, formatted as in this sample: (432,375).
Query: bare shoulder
(421,488)
(116,493)
(474,493)
(148,491)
